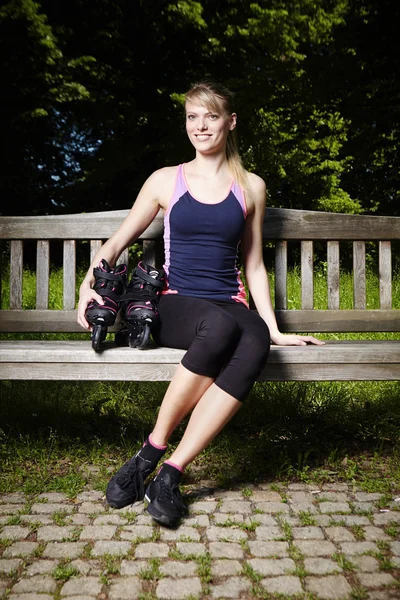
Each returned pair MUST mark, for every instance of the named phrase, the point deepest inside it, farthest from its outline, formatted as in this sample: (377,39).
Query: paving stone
(335,487)
(321,566)
(20,549)
(334,496)
(79,519)
(261,549)
(188,548)
(272,566)
(53,497)
(262,519)
(221,518)
(89,508)
(150,550)
(367,497)
(288,585)
(128,588)
(14,532)
(396,561)
(307,533)
(133,567)
(273,507)
(84,585)
(365,563)
(395,547)
(136,532)
(11,509)
(30,596)
(37,583)
(42,519)
(385,518)
(173,568)
(357,547)
(41,567)
(228,495)
(265,496)
(172,589)
(372,580)
(331,587)
(300,507)
(303,497)
(115,548)
(215,534)
(3,588)
(98,532)
(109,520)
(183,534)
(351,519)
(49,508)
(315,547)
(265,532)
(9,565)
(236,507)
(363,507)
(334,507)
(202,507)
(322,520)
(375,533)
(63,549)
(14,498)
(296,486)
(198,521)
(53,533)
(225,568)
(90,496)
(339,534)
(146,520)
(225,550)
(230,588)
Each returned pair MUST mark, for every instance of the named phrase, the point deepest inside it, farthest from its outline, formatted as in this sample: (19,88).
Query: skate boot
(110,283)
(139,306)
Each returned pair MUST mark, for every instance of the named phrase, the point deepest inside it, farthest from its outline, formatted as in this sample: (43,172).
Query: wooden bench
(75,360)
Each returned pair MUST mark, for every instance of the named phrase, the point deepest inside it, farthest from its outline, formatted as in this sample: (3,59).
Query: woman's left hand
(296,340)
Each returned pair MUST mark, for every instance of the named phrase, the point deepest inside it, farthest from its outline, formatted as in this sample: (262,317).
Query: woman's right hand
(86,295)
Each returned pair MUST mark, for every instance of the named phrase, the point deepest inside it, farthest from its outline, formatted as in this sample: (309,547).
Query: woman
(211,204)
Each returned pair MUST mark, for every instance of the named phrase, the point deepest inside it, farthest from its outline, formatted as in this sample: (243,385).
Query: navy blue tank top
(201,244)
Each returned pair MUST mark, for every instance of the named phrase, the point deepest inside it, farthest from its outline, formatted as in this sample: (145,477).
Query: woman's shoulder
(164,175)
(255,183)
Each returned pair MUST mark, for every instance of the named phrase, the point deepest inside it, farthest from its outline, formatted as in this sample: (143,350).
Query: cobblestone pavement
(264,541)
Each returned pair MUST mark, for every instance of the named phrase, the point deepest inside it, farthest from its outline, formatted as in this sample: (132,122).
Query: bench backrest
(281,226)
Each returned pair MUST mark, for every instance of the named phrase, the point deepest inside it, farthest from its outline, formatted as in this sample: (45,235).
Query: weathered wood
(95,246)
(290,321)
(307,276)
(281,274)
(16,253)
(333,275)
(385,275)
(149,252)
(69,278)
(279,223)
(42,274)
(359,277)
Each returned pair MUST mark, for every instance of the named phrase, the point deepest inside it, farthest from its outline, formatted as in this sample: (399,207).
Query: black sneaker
(165,500)
(127,486)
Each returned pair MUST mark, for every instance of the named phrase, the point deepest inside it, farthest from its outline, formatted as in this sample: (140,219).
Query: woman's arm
(153,196)
(256,274)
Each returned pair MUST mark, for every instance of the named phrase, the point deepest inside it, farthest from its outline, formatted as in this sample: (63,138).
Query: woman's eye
(190,117)
(213,117)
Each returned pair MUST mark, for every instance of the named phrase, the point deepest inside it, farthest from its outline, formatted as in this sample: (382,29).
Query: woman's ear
(233,122)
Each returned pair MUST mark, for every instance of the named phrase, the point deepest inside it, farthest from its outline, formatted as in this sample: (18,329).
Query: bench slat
(307,276)
(16,254)
(279,223)
(69,269)
(95,246)
(295,321)
(333,275)
(42,274)
(360,298)
(385,275)
(281,274)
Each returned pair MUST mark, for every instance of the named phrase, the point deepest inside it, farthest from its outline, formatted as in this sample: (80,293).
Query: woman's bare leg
(183,393)
(210,415)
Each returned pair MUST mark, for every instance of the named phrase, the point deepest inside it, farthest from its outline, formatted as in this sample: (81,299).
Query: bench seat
(360,360)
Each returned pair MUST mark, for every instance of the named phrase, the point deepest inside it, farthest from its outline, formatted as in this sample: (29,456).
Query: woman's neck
(211,165)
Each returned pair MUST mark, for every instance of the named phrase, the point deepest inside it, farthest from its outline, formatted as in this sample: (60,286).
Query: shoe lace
(132,478)
(171,493)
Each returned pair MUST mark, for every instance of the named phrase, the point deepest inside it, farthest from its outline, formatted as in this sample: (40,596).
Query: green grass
(52,433)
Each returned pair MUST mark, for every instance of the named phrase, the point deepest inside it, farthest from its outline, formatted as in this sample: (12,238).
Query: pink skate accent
(156,445)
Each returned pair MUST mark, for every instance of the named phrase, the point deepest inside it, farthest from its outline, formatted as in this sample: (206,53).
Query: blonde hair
(216,97)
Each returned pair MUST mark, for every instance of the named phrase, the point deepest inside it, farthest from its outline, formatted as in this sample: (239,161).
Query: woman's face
(207,129)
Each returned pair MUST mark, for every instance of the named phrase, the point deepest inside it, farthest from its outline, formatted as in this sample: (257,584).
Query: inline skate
(139,306)
(110,283)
